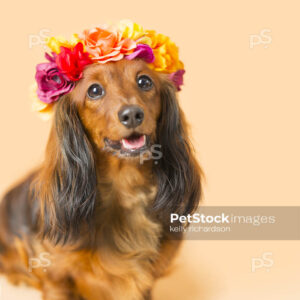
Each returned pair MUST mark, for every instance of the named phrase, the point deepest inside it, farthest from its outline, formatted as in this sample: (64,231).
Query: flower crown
(126,40)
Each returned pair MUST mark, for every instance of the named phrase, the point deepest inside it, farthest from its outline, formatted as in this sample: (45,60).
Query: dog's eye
(144,82)
(95,91)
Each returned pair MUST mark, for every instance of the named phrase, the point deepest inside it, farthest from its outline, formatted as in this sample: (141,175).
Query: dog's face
(119,105)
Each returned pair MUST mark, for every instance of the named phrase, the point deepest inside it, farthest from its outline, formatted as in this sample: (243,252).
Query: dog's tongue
(135,142)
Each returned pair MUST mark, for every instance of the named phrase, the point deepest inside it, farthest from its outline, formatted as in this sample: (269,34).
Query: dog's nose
(131,116)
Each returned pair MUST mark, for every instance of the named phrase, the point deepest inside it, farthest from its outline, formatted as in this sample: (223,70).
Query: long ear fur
(66,186)
(178,174)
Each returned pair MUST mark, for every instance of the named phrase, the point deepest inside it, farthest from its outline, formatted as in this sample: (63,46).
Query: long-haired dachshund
(92,221)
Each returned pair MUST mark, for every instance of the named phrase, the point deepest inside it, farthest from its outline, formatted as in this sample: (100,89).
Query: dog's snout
(131,116)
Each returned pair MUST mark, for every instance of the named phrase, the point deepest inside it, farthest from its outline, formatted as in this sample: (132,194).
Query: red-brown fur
(113,243)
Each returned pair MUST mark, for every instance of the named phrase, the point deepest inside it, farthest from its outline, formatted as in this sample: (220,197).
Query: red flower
(72,62)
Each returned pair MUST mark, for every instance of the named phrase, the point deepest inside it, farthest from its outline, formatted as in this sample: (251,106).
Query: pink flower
(144,52)
(177,78)
(51,82)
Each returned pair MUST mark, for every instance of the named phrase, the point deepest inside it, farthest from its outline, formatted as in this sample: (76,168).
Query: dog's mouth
(128,146)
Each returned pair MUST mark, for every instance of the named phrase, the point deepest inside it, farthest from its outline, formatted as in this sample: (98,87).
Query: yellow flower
(165,52)
(54,43)
(131,30)
(44,110)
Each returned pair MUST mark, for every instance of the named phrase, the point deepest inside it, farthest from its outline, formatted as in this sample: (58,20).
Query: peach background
(243,106)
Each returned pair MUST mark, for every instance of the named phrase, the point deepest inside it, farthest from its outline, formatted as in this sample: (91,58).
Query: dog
(94,210)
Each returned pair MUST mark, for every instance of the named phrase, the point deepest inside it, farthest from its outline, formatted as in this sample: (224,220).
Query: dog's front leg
(59,291)
(148,295)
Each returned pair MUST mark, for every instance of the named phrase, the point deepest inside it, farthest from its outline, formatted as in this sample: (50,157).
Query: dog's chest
(128,245)
(128,226)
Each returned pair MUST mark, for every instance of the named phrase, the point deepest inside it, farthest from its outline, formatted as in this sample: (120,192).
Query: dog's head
(119,105)
(120,109)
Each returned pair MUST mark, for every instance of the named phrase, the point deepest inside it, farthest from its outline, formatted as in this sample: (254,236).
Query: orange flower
(104,45)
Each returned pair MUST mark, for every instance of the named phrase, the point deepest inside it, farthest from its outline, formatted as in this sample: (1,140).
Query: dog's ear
(67,186)
(178,173)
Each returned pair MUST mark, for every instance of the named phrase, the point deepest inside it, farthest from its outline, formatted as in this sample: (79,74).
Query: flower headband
(126,40)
